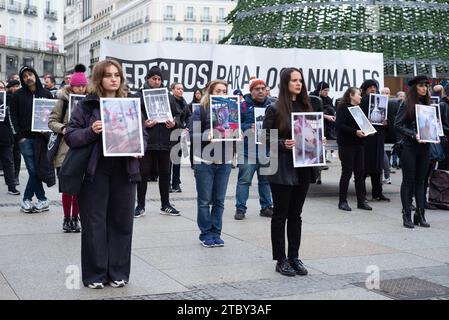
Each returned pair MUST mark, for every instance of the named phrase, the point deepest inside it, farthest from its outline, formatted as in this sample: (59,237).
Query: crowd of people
(113,190)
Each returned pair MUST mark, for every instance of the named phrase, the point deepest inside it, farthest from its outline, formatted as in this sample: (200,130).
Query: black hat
(417,80)
(322,86)
(368,83)
(154,71)
(12,83)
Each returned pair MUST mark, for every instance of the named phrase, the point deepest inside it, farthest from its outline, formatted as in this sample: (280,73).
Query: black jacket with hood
(22,106)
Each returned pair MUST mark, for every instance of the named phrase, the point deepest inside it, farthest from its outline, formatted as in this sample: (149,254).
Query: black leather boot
(66,225)
(75,225)
(420,219)
(407,219)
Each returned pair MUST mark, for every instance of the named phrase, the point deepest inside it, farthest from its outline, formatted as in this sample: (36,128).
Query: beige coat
(55,124)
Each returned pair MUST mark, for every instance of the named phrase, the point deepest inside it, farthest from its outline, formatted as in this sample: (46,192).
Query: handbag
(437,152)
(73,169)
(55,141)
(398,147)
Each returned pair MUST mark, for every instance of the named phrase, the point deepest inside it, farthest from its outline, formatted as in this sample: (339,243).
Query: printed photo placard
(308,133)
(2,106)
(74,99)
(362,121)
(427,123)
(122,127)
(225,118)
(157,105)
(259,117)
(378,108)
(42,109)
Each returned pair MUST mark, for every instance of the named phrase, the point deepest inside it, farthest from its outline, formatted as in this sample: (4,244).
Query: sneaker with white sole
(13,191)
(27,206)
(42,206)
(170,211)
(139,212)
(118,283)
(96,285)
(387,181)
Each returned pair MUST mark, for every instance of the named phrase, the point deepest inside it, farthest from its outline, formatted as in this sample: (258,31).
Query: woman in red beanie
(57,122)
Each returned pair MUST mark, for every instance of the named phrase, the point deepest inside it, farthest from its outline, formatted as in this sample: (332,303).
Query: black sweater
(347,127)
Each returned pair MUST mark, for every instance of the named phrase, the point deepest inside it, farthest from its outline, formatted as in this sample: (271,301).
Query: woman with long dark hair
(415,154)
(289,185)
(351,142)
(107,196)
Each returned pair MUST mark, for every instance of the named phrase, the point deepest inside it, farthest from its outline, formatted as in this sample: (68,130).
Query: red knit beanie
(79,79)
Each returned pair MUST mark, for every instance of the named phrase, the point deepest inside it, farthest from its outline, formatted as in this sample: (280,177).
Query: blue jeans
(246,174)
(211,184)
(34,185)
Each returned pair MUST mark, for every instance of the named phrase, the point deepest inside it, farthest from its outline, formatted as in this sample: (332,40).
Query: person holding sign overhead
(21,116)
(415,157)
(351,140)
(289,185)
(107,196)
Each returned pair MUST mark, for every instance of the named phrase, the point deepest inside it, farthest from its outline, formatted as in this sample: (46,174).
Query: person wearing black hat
(322,91)
(415,154)
(158,150)
(374,144)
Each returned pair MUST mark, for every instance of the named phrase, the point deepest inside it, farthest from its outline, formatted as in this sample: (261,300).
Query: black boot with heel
(419,218)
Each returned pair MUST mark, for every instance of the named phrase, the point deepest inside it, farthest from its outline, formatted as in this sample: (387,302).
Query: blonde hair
(98,73)
(208,91)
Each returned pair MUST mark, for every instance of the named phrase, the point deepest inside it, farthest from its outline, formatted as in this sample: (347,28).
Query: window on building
(169,13)
(28,61)
(206,34)
(168,34)
(189,15)
(206,14)
(221,14)
(221,34)
(189,35)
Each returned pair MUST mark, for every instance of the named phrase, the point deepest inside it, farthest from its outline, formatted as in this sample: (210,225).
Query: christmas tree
(412,35)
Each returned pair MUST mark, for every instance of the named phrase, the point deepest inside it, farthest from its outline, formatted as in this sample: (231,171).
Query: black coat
(79,134)
(444,110)
(286,173)
(44,168)
(6,133)
(183,110)
(22,108)
(347,128)
(393,106)
(159,135)
(374,145)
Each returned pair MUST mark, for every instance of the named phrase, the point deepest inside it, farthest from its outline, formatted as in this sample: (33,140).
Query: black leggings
(352,160)
(287,208)
(415,163)
(162,158)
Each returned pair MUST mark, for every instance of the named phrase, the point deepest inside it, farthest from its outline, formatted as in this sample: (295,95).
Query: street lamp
(53,40)
(179,38)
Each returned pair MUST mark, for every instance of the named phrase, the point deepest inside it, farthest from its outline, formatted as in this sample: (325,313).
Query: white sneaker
(387,181)
(96,285)
(118,284)
(42,206)
(27,206)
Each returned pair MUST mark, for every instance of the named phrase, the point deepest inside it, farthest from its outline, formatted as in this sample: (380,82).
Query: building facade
(31,33)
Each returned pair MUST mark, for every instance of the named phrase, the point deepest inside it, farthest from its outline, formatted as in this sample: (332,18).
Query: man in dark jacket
(21,115)
(250,164)
(11,88)
(6,143)
(158,151)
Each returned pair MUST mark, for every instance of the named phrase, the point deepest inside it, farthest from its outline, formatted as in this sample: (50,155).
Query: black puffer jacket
(22,106)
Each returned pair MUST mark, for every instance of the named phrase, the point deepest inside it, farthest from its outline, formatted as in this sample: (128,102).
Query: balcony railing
(128,27)
(189,18)
(30,11)
(21,43)
(221,20)
(206,19)
(169,17)
(15,7)
(51,15)
(167,38)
